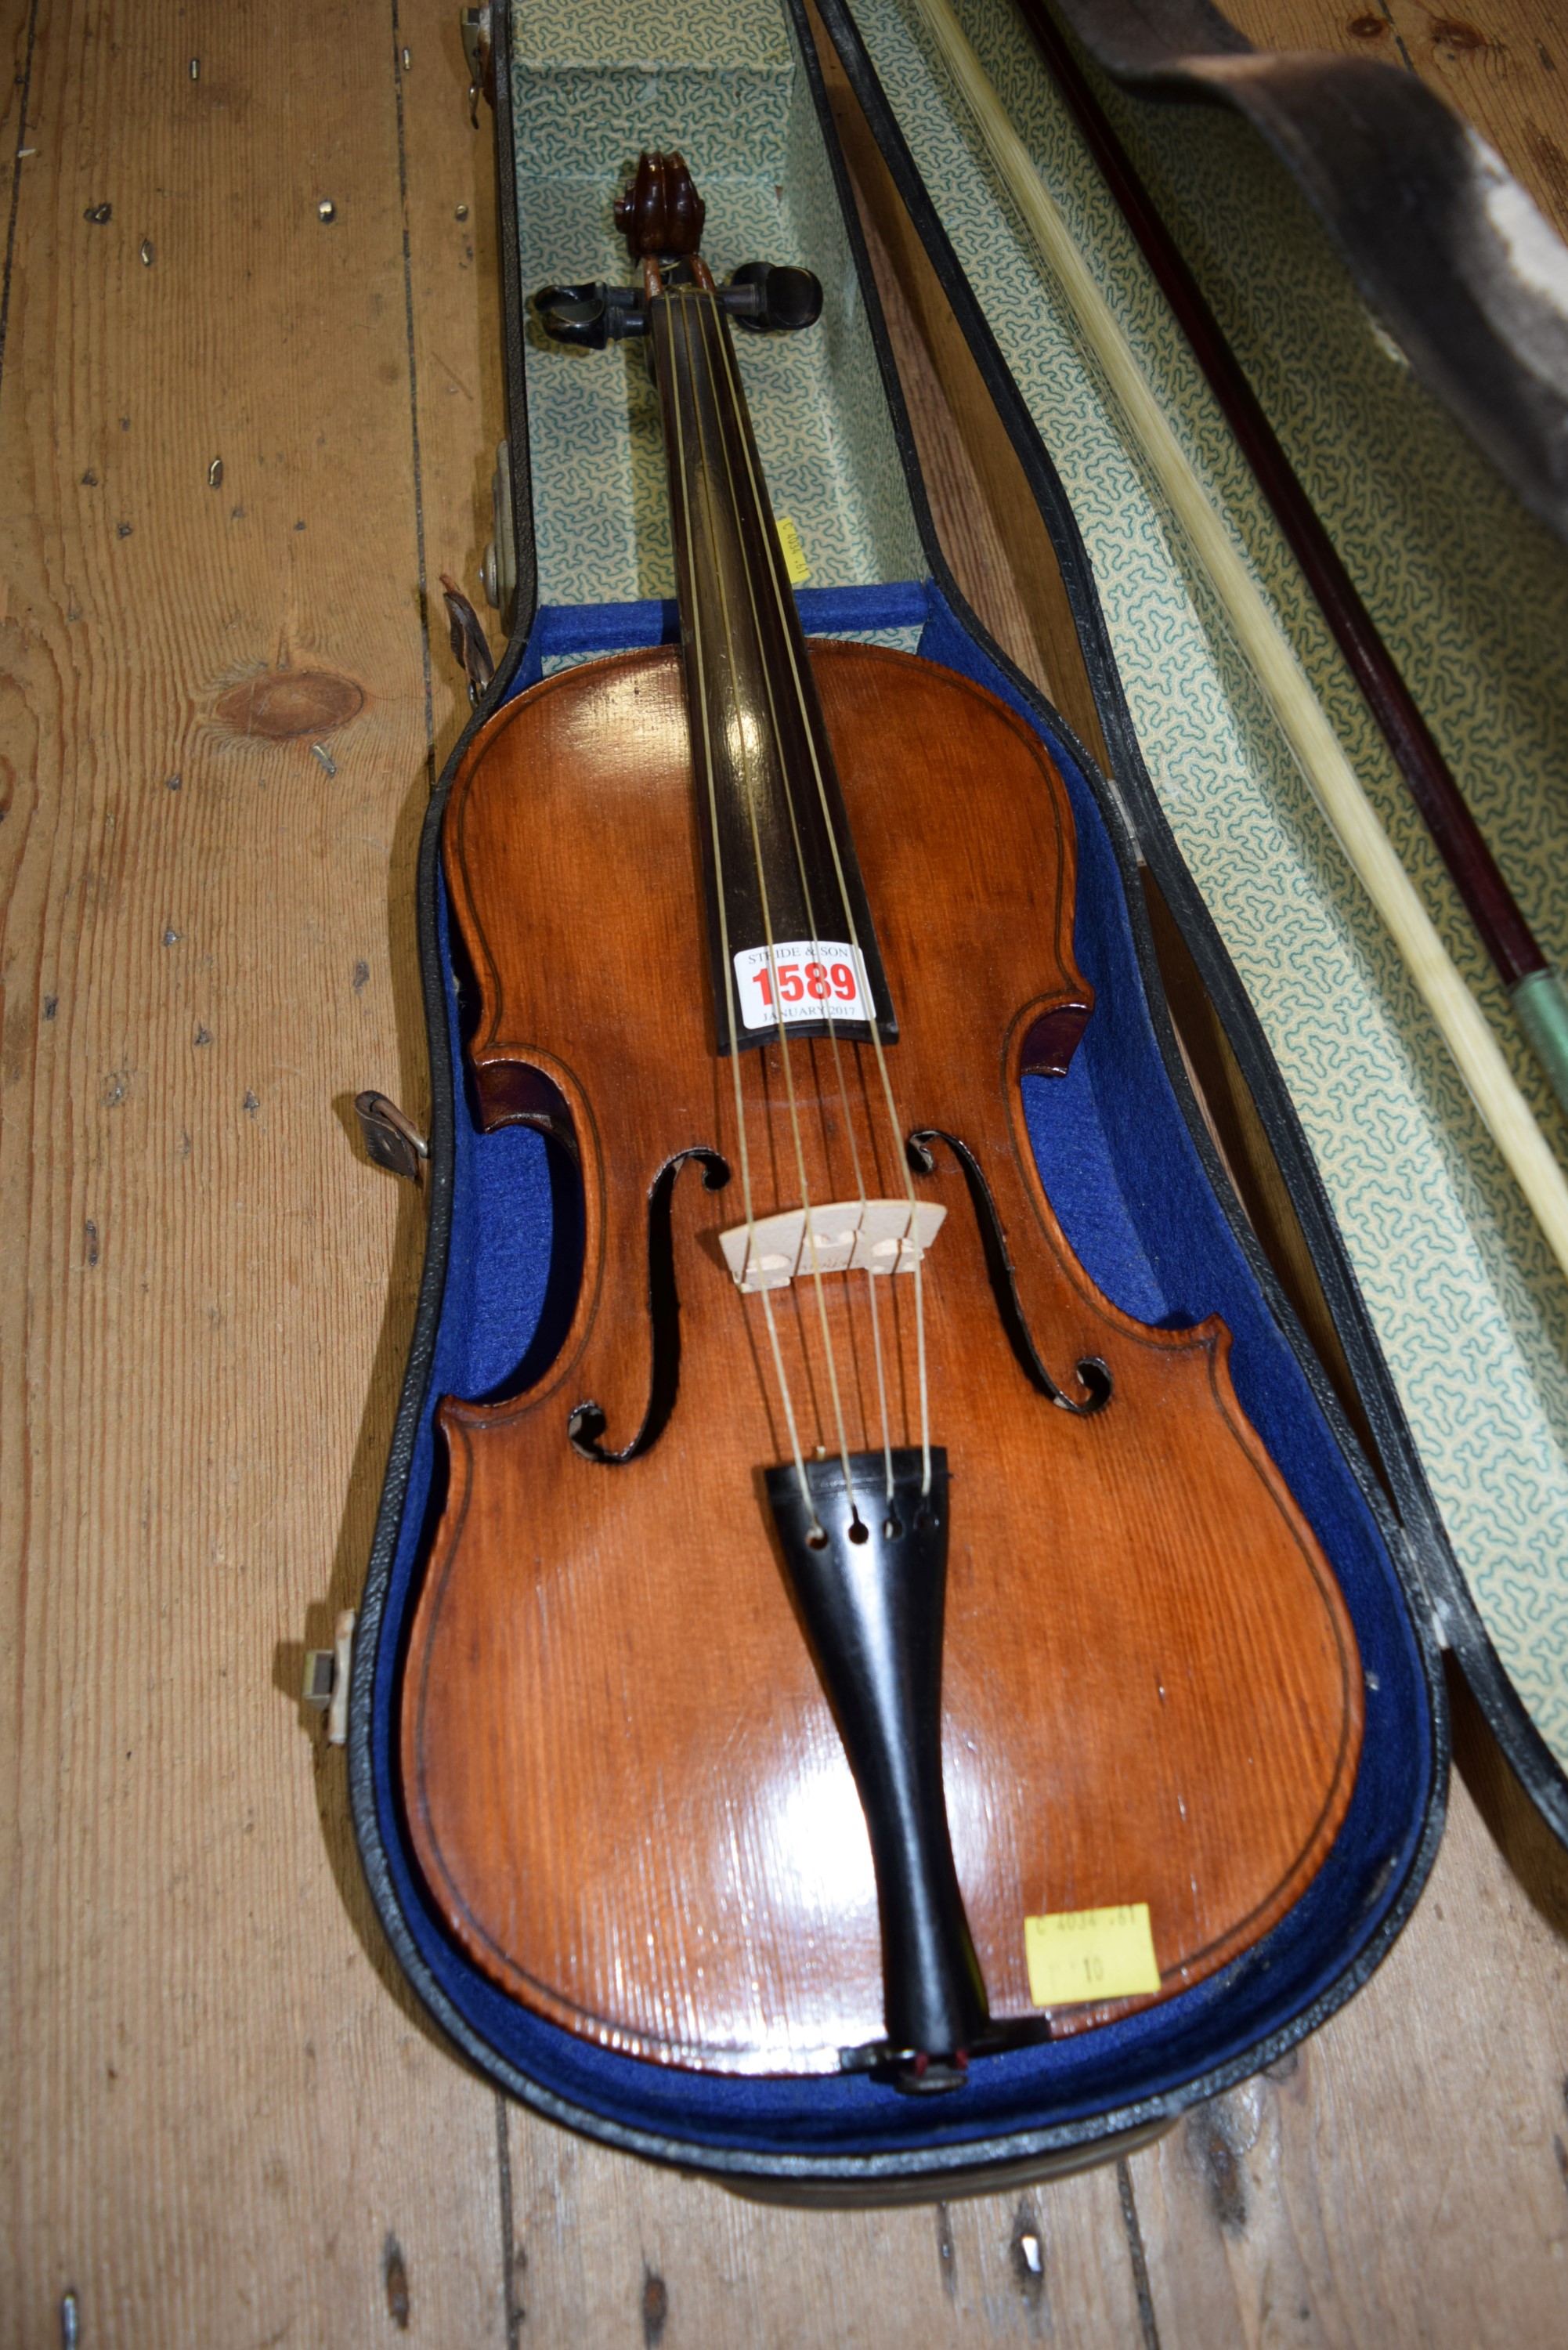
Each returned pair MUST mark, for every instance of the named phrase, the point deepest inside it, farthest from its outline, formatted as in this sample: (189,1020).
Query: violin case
(1124,1150)
(1401,312)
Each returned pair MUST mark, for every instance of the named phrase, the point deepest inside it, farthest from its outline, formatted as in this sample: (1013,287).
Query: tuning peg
(592,315)
(769,300)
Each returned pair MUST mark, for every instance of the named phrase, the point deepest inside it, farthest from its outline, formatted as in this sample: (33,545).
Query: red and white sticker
(818,979)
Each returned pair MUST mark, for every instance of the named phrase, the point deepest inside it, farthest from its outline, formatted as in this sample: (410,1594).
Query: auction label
(818,979)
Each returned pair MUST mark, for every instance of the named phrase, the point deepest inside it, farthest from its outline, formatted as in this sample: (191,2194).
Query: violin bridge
(844,1236)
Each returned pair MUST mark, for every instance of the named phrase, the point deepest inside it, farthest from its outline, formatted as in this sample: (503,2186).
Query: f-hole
(1093,1376)
(585,1424)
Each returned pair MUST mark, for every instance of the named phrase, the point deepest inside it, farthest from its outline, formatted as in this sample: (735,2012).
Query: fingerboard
(778,859)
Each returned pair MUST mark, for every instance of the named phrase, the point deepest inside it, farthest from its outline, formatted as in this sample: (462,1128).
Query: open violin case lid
(1361,1114)
(1398,306)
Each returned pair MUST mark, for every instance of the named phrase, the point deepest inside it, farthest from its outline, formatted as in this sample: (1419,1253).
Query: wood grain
(698,1883)
(276,2112)
(1498,63)
(617,2253)
(195,978)
(1401,2179)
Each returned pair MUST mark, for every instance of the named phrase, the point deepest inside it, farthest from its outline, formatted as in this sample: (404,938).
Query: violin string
(742,1152)
(912,1229)
(705,477)
(708,310)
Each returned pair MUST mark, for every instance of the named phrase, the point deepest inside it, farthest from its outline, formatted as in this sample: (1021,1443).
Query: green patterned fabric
(1470,1309)
(591,85)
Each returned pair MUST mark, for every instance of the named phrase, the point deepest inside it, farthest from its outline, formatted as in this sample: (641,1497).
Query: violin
(858,1580)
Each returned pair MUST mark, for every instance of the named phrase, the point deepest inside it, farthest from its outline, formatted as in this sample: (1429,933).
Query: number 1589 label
(818,979)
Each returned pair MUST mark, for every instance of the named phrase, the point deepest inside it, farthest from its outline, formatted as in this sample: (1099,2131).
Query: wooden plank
(1401,2179)
(226,2110)
(612,2253)
(454,281)
(19,759)
(220,2101)
(1498,63)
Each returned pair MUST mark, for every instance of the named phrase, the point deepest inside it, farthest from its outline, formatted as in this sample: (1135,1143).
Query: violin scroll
(661,217)
(661,213)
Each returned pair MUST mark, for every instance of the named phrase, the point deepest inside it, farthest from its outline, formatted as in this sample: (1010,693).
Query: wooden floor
(239,442)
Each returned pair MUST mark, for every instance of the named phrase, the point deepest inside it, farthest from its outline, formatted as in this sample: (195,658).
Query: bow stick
(1329,775)
(1539,999)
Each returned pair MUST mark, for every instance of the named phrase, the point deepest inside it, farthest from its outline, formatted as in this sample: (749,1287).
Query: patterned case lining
(727,94)
(1472,597)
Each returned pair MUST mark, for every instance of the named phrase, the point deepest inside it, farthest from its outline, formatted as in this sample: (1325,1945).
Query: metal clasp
(470,644)
(393,1141)
(326,1685)
(479,52)
(498,569)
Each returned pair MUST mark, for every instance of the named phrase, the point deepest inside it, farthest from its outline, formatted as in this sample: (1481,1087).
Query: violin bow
(1534,989)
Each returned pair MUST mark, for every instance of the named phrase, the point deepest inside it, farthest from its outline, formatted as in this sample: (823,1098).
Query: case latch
(498,570)
(478,53)
(326,1687)
(393,1141)
(469,645)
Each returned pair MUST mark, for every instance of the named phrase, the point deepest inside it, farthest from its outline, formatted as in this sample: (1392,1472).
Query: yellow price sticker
(795,563)
(1090,1954)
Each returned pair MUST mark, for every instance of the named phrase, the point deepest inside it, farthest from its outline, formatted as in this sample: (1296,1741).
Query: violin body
(799,1565)
(624,1782)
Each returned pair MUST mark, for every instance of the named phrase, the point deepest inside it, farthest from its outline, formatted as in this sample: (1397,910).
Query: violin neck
(779,863)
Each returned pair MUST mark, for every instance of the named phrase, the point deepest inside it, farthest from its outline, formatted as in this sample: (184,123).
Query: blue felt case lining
(1126,1180)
